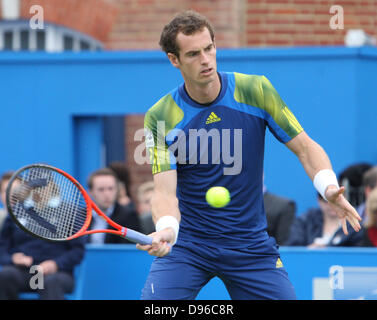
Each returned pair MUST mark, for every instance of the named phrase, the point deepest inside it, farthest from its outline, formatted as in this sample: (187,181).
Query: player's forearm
(164,204)
(311,155)
(314,160)
(165,210)
(166,215)
(164,201)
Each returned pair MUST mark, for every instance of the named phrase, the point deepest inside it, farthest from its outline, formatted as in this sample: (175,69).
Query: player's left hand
(344,210)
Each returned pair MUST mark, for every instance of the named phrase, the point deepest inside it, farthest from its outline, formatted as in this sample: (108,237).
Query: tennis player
(218,112)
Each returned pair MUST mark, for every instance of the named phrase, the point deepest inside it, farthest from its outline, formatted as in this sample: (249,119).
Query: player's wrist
(168,221)
(325,179)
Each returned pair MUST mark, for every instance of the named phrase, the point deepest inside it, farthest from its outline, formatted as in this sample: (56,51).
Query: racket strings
(48,204)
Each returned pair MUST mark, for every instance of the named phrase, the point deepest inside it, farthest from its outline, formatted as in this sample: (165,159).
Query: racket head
(48,203)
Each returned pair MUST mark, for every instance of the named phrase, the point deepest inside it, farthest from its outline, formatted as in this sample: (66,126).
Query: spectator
(320,227)
(3,187)
(280,213)
(120,169)
(144,195)
(19,252)
(352,179)
(370,226)
(103,187)
(369,183)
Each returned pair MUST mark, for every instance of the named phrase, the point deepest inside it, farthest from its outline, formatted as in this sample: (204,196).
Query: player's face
(197,57)
(104,191)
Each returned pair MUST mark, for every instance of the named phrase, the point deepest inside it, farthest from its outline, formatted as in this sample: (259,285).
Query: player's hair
(370,178)
(5,177)
(187,22)
(101,172)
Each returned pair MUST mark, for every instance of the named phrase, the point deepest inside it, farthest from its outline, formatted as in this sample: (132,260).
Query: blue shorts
(189,266)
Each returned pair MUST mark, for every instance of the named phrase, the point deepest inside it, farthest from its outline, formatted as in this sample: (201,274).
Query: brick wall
(238,23)
(92,17)
(305,22)
(139,22)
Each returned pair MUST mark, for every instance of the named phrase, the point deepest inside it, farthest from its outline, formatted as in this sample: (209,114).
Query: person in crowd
(280,213)
(144,196)
(3,186)
(103,188)
(369,182)
(369,238)
(124,196)
(352,179)
(20,252)
(320,227)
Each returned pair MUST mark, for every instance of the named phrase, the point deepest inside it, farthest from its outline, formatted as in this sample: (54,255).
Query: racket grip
(138,237)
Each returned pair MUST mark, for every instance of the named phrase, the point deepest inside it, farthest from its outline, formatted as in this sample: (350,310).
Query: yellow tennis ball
(218,197)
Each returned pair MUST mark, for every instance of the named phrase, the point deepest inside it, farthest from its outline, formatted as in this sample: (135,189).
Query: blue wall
(51,103)
(119,272)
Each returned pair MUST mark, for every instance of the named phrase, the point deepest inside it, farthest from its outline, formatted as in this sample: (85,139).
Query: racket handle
(138,237)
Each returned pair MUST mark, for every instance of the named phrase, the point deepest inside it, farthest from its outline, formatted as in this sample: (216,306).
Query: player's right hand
(160,244)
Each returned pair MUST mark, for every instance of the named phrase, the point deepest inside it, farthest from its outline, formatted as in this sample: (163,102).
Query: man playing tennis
(230,242)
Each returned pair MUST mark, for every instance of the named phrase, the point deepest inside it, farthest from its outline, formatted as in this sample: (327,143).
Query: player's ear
(174,60)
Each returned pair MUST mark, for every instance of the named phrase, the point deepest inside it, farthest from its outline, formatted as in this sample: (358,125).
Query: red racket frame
(90,205)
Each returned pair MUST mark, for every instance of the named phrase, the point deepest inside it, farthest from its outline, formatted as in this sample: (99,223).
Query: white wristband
(323,179)
(168,222)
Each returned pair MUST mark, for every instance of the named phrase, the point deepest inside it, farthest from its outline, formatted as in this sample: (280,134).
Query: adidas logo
(279,264)
(212,118)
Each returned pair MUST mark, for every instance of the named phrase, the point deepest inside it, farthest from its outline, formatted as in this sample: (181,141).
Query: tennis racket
(48,203)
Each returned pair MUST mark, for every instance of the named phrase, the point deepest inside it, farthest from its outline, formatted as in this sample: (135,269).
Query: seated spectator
(19,252)
(320,227)
(280,213)
(120,169)
(3,187)
(370,226)
(352,179)
(103,188)
(369,183)
(144,195)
